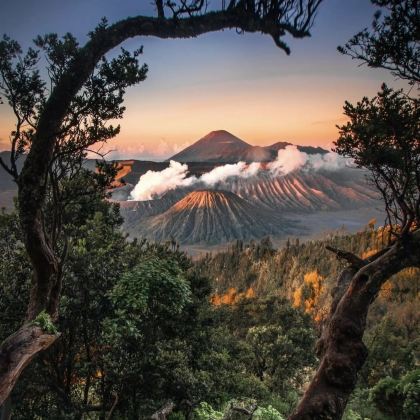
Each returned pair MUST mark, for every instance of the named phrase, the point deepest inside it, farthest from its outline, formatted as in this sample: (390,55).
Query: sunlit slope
(212,217)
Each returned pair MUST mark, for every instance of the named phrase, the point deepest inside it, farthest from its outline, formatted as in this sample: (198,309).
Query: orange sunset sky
(240,83)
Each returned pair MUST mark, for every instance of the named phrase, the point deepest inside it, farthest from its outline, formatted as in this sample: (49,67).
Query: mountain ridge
(223,147)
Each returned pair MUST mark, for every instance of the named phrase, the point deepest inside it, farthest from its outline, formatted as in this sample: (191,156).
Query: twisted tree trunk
(341,349)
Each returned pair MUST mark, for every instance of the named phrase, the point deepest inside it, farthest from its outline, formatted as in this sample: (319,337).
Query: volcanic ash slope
(213,217)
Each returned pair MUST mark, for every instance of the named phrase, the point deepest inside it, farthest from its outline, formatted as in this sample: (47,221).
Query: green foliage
(242,408)
(14,275)
(280,339)
(352,415)
(267,331)
(155,287)
(176,416)
(393,342)
(398,398)
(44,321)
(205,412)
(382,136)
(267,413)
(99,101)
(136,322)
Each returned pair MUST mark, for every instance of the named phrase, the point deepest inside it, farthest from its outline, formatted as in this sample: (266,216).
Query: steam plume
(153,184)
(290,159)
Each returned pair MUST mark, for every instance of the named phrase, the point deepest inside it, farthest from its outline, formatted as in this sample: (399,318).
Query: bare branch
(351,258)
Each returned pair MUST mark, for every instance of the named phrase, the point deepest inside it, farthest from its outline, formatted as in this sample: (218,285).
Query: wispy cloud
(160,151)
(332,122)
(4,144)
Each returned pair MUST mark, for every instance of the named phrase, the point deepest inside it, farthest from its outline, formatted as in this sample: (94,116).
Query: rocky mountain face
(211,217)
(223,147)
(246,208)
(304,191)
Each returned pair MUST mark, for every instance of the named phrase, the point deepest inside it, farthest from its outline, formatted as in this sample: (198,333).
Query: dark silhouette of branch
(393,43)
(351,258)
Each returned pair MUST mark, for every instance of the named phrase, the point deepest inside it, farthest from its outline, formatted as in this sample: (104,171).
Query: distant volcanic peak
(223,136)
(220,146)
(217,146)
(205,199)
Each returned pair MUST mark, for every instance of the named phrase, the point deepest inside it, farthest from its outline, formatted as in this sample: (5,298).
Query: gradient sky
(240,83)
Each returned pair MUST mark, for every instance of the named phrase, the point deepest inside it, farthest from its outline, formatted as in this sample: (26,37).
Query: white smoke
(222,173)
(329,161)
(153,184)
(290,158)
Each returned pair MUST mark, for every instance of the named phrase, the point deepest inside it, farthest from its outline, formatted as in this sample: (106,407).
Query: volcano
(220,147)
(211,217)
(247,208)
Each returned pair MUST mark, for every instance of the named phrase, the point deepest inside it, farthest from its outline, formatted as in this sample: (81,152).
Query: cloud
(160,151)
(154,184)
(222,173)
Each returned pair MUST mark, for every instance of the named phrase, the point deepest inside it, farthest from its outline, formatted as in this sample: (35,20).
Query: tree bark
(17,351)
(163,412)
(6,410)
(341,349)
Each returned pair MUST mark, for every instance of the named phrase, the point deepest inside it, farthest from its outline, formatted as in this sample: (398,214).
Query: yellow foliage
(368,253)
(249,293)
(297,297)
(314,282)
(231,297)
(386,290)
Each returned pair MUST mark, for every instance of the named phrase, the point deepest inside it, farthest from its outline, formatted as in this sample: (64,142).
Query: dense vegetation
(138,330)
(305,274)
(142,326)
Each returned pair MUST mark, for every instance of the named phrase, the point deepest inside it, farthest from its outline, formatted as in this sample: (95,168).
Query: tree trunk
(17,351)
(6,410)
(341,349)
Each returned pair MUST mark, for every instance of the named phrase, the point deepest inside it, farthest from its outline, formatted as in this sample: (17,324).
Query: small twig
(113,407)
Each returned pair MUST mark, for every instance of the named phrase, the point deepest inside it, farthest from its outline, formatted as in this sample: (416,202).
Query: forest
(96,325)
